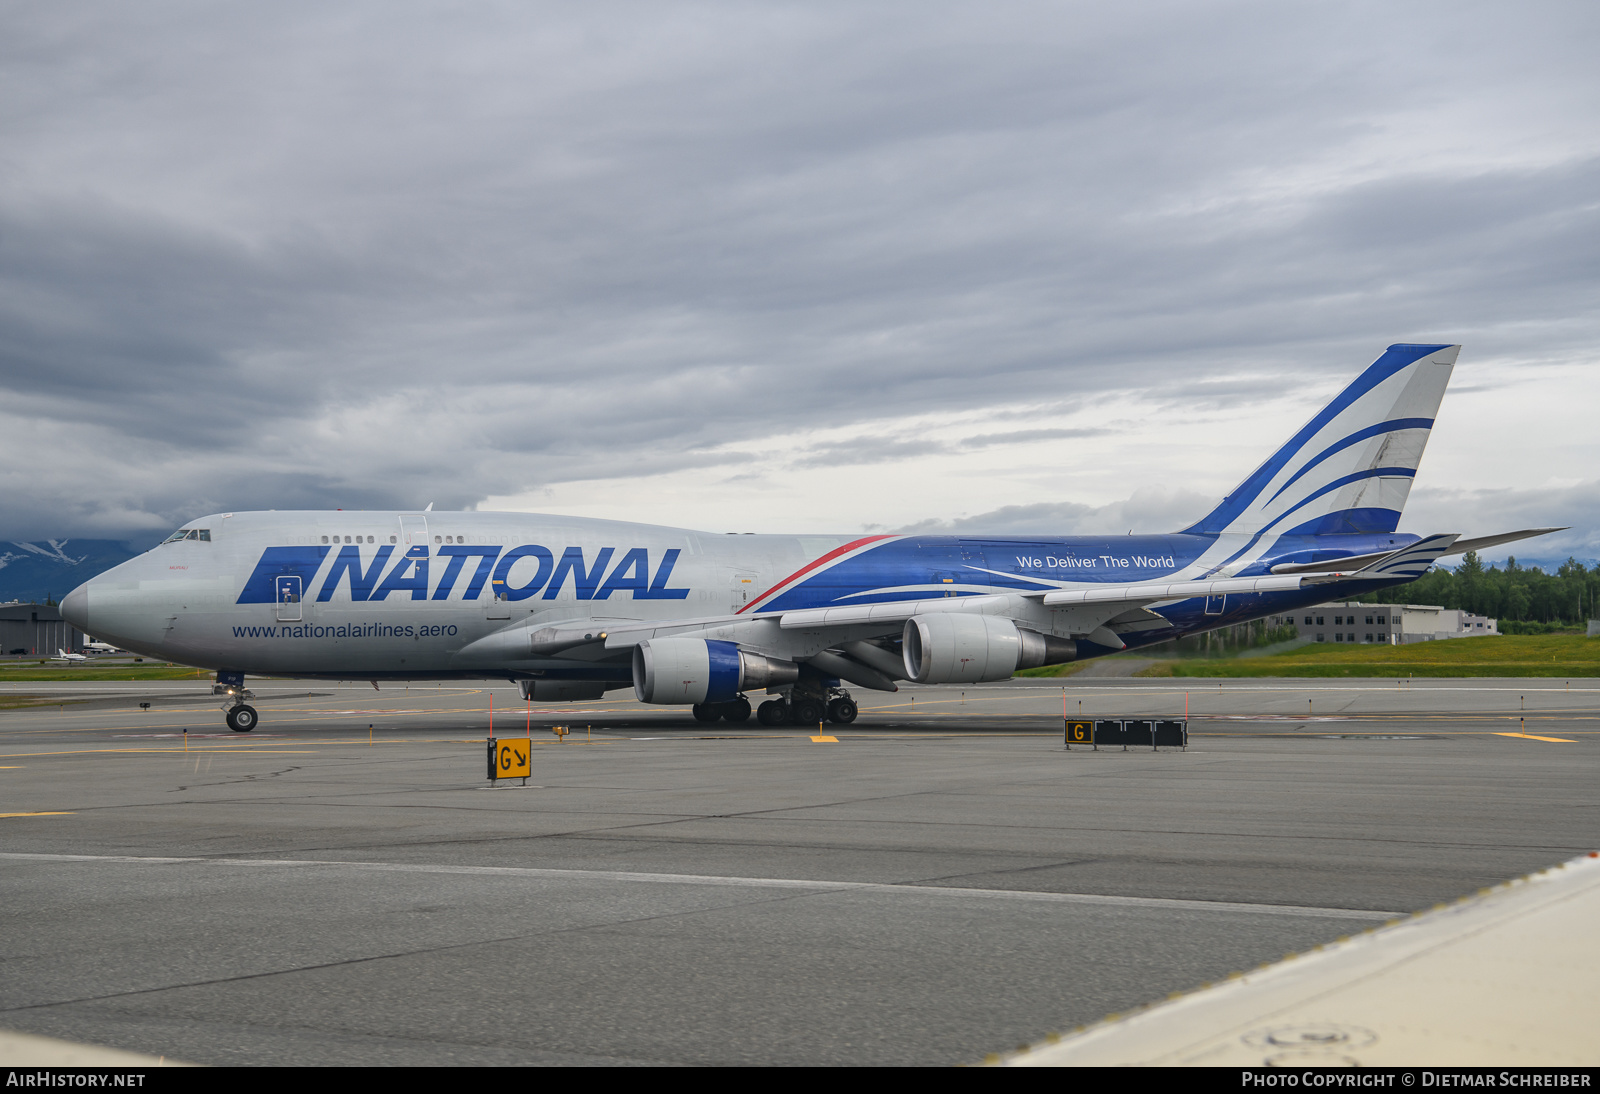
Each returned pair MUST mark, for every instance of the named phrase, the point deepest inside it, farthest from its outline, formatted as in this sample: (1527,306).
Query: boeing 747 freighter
(572,608)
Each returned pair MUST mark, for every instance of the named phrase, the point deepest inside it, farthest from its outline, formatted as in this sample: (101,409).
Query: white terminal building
(1390,624)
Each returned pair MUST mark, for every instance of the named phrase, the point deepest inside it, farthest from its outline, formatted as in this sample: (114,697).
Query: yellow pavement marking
(826,740)
(1531,737)
(38,814)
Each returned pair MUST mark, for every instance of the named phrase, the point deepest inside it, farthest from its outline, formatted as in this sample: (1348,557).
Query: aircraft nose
(75,607)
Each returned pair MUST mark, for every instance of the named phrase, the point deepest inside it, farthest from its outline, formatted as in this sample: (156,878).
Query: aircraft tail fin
(1349,469)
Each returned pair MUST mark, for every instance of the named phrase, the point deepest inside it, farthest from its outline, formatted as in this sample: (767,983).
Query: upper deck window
(202,534)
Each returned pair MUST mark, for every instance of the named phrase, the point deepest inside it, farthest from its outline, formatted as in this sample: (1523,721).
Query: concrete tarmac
(942,881)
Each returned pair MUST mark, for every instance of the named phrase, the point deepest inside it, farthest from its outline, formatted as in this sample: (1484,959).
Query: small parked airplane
(63,655)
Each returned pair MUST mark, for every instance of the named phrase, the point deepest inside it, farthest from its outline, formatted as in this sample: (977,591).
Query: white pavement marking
(748,883)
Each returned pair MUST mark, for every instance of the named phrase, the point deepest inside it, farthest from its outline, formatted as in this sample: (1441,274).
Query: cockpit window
(202,534)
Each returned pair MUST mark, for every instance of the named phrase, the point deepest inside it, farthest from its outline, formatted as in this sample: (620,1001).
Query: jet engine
(699,670)
(956,648)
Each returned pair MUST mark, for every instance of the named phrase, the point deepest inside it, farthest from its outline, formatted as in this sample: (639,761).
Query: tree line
(1525,599)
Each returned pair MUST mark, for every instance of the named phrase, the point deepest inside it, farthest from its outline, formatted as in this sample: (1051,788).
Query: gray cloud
(384,254)
(872,449)
(1027,436)
(1152,510)
(861,450)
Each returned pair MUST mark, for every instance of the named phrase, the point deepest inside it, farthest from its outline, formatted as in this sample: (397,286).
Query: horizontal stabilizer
(1411,561)
(1356,562)
(1332,565)
(1464,545)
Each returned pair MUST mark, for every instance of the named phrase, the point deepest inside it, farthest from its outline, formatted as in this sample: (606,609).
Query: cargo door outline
(287,593)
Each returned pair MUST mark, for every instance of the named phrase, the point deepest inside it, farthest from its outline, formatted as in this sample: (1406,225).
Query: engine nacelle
(699,670)
(956,648)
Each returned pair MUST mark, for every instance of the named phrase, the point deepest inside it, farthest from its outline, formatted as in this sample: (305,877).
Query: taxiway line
(742,882)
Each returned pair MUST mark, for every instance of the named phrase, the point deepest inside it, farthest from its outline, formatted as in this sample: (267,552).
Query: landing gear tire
(807,712)
(842,711)
(772,713)
(707,712)
(242,718)
(736,710)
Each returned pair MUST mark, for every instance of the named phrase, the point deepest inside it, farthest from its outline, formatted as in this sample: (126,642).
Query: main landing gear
(734,710)
(242,717)
(834,705)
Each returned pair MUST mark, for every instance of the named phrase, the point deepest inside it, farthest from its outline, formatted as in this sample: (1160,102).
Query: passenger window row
(356,539)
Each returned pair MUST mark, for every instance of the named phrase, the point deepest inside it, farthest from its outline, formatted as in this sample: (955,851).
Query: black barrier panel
(1111,733)
(1137,732)
(1174,734)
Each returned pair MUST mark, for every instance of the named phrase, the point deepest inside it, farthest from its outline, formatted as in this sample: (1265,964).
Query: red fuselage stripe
(808,567)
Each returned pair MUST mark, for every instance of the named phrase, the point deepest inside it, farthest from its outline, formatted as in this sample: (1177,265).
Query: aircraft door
(286,593)
(496,605)
(413,530)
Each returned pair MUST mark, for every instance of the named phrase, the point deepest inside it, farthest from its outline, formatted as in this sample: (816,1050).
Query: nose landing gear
(242,717)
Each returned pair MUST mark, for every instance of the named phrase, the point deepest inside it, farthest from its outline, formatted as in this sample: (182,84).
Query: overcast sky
(764,267)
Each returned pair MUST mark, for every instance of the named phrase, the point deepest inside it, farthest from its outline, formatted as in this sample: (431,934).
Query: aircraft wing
(1410,561)
(848,640)
(623,634)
